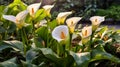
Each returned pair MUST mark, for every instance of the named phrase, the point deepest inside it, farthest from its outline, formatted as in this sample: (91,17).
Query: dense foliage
(31,37)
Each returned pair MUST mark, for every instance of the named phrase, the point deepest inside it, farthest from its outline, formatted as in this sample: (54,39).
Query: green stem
(47,45)
(70,43)
(25,36)
(23,40)
(58,50)
(91,40)
(33,30)
(64,50)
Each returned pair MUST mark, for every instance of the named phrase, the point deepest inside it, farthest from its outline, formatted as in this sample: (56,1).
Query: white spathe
(33,8)
(71,22)
(60,33)
(48,8)
(96,20)
(18,19)
(86,31)
(62,16)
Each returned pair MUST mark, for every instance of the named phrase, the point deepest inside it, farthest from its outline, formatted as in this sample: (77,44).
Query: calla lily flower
(96,20)
(60,33)
(48,9)
(18,20)
(62,16)
(86,32)
(33,8)
(71,22)
(41,23)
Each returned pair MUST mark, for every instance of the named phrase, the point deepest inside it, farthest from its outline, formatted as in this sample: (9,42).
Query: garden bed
(30,36)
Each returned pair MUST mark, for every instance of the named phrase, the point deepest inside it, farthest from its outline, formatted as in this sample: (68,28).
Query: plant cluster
(31,37)
(111,12)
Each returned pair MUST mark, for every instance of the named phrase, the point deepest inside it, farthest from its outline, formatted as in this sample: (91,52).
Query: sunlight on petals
(18,20)
(10,18)
(96,20)
(86,31)
(72,22)
(48,9)
(60,33)
(33,8)
(62,16)
(21,15)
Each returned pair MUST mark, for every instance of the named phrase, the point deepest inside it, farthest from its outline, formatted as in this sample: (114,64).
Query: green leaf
(16,45)
(40,17)
(30,55)
(39,12)
(27,64)
(43,33)
(9,63)
(1,10)
(15,7)
(2,30)
(100,54)
(52,24)
(12,28)
(82,59)
(102,30)
(49,54)
(19,4)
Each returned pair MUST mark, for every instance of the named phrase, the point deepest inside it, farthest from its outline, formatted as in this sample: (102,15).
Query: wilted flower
(62,16)
(41,23)
(60,33)
(18,20)
(71,22)
(33,8)
(48,9)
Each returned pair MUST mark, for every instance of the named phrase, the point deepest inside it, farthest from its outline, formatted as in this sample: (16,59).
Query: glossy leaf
(39,12)
(100,54)
(16,45)
(82,60)
(48,53)
(12,28)
(27,64)
(30,55)
(43,33)
(9,63)
(52,24)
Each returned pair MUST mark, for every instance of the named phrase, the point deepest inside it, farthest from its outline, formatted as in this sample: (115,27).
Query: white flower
(41,23)
(33,8)
(48,9)
(96,20)
(62,16)
(71,22)
(18,20)
(60,33)
(86,31)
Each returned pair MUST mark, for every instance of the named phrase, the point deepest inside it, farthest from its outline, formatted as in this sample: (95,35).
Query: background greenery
(85,8)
